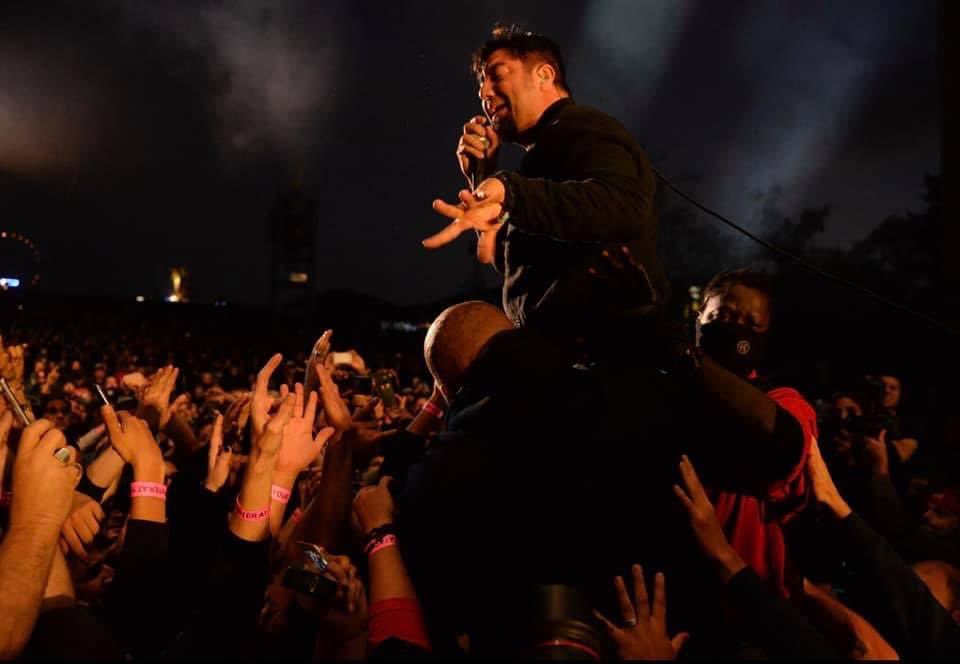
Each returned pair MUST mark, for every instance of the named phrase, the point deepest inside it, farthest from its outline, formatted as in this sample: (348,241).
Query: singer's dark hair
(523,45)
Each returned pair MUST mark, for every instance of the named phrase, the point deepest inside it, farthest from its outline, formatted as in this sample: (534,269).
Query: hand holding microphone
(477,150)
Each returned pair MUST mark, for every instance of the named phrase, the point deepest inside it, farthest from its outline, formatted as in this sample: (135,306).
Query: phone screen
(342,358)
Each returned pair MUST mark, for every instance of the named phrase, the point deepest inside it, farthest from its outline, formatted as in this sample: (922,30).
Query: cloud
(273,66)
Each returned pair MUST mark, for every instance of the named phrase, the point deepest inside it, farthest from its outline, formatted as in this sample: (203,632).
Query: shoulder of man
(592,120)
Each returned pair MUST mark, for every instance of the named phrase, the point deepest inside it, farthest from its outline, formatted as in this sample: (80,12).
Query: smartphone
(387,395)
(311,381)
(386,389)
(342,358)
(15,406)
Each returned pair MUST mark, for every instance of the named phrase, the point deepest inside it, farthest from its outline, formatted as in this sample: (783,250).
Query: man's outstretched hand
(480,211)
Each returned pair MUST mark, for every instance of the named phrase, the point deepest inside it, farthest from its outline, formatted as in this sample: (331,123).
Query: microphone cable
(943,327)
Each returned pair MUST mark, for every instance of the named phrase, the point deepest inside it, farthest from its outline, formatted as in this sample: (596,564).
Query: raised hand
(11,364)
(261,401)
(318,355)
(155,400)
(875,453)
(82,526)
(703,518)
(235,419)
(130,437)
(271,440)
(374,505)
(300,446)
(644,631)
(43,484)
(338,415)
(135,382)
(177,407)
(824,490)
(219,458)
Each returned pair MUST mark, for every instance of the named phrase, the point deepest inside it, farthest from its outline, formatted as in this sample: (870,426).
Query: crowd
(320,507)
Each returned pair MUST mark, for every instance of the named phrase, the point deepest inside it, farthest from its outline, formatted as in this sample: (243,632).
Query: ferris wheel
(19,261)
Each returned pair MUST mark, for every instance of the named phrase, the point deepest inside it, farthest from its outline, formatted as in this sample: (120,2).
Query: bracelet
(433,409)
(377,545)
(378,535)
(250,515)
(148,490)
(279,494)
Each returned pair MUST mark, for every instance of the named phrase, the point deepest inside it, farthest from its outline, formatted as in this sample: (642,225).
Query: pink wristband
(148,490)
(279,494)
(388,540)
(250,515)
(433,409)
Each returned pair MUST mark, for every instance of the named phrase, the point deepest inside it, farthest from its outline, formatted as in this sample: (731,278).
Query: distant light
(397,326)
(219,303)
(140,298)
(299,277)
(173,298)
(9,282)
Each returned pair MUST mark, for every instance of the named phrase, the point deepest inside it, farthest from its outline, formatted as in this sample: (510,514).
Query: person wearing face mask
(758,474)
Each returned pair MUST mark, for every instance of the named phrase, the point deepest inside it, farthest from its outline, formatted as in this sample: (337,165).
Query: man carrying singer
(584,188)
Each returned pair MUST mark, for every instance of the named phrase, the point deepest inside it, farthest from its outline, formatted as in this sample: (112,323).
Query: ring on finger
(630,622)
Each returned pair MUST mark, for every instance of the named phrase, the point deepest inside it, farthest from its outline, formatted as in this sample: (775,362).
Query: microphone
(478,167)
(478,171)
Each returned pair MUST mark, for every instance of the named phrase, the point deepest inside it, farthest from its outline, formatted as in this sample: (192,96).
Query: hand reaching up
(219,458)
(300,447)
(155,400)
(11,365)
(318,355)
(703,521)
(824,490)
(271,440)
(644,631)
(261,401)
(131,438)
(43,484)
(337,412)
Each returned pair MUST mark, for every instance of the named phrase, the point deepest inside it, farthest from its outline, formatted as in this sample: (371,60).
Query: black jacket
(585,185)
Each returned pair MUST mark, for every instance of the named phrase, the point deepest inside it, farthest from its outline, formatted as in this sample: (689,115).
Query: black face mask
(735,347)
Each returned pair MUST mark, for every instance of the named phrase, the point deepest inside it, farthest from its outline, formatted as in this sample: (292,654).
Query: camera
(308,574)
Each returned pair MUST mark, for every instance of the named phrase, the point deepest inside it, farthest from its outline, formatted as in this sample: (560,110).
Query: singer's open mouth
(497,111)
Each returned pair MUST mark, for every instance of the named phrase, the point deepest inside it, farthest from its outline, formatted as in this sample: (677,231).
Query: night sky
(156,134)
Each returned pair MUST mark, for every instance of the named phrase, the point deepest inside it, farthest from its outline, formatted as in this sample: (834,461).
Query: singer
(584,186)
